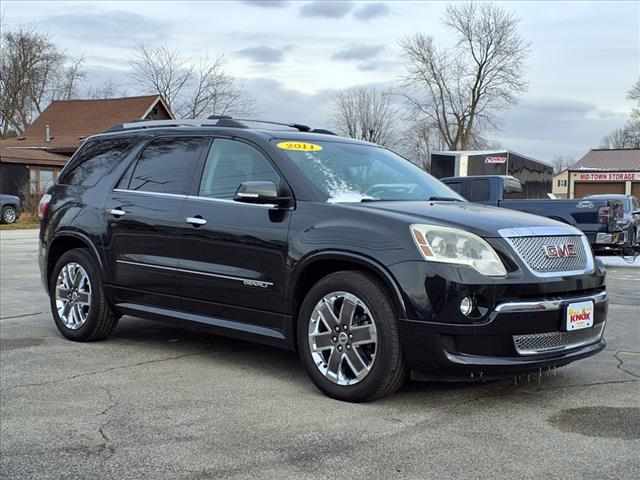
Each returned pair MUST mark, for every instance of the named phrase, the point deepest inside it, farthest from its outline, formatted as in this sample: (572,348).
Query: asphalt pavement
(158,402)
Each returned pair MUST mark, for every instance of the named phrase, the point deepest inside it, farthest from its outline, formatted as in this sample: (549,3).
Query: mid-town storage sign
(606,176)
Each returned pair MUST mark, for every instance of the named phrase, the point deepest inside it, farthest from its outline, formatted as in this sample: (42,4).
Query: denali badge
(559,251)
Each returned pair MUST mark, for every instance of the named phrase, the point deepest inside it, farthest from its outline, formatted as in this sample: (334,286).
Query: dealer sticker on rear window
(579,315)
(299,146)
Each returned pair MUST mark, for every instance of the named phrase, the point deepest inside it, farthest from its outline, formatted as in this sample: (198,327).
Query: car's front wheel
(348,337)
(80,309)
(9,214)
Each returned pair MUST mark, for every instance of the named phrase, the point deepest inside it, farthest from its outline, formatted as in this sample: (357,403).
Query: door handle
(196,221)
(117,212)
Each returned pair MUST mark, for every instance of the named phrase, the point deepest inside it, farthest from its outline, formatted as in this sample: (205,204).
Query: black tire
(101,318)
(388,372)
(9,214)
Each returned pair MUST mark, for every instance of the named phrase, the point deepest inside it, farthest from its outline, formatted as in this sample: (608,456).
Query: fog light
(467,305)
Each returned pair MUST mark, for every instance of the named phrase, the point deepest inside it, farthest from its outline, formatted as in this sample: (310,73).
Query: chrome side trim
(226,200)
(545,305)
(213,321)
(155,194)
(246,281)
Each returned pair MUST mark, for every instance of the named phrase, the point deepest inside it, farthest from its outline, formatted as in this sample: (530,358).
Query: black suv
(368,266)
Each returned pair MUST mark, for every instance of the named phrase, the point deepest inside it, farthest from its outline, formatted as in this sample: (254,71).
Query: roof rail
(298,126)
(211,121)
(141,124)
(323,131)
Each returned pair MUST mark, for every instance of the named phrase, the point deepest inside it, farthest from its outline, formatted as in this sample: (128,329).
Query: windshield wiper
(444,199)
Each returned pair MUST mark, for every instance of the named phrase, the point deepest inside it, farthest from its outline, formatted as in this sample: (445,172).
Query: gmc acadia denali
(366,265)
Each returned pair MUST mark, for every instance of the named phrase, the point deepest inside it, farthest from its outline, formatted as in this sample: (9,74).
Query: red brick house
(47,144)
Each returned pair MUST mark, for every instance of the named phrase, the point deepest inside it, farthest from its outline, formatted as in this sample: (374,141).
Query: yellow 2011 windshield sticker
(299,146)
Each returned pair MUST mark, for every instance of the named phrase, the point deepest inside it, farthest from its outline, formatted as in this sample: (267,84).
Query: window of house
(229,164)
(40,179)
(167,165)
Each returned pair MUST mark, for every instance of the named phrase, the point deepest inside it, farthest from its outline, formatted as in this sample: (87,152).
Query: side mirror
(636,212)
(260,192)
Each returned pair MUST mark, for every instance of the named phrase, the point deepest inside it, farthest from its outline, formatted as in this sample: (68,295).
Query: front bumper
(495,348)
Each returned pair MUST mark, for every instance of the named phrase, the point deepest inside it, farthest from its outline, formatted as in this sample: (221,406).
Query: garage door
(635,189)
(581,189)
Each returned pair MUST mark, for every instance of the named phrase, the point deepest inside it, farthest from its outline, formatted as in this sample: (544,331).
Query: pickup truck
(598,219)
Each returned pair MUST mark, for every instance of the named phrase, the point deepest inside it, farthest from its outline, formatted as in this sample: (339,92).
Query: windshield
(348,172)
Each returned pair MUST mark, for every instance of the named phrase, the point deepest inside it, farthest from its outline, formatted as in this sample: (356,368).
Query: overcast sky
(291,55)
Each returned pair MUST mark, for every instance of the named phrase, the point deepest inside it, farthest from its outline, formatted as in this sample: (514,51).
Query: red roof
(626,159)
(31,156)
(71,120)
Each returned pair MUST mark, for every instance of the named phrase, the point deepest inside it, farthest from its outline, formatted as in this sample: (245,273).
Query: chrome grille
(556,341)
(531,250)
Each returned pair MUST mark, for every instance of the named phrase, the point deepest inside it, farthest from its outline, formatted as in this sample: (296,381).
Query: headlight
(450,245)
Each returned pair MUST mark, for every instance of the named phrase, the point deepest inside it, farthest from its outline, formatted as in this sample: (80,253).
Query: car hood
(479,219)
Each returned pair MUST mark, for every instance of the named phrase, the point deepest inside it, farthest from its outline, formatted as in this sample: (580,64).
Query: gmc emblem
(559,251)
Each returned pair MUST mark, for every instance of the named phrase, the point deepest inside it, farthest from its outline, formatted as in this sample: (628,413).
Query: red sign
(495,160)
(607,176)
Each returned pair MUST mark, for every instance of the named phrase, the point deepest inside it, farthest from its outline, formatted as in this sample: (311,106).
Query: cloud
(264,53)
(266,3)
(358,52)
(115,27)
(371,10)
(326,9)
(287,105)
(376,64)
(544,127)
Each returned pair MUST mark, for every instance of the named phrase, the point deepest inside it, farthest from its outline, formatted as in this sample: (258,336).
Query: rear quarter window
(94,161)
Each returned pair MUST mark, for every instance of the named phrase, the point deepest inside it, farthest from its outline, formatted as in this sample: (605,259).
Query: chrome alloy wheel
(73,295)
(10,215)
(342,338)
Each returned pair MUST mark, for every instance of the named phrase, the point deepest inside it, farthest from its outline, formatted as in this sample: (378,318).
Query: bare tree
(163,71)
(419,140)
(191,88)
(561,163)
(634,96)
(366,114)
(33,71)
(214,92)
(106,89)
(627,136)
(460,90)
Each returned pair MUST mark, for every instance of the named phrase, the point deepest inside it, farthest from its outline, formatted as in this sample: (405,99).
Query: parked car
(630,221)
(9,208)
(598,219)
(366,265)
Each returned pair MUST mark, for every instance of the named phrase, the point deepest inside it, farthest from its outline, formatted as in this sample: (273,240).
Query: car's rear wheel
(348,337)
(9,214)
(80,309)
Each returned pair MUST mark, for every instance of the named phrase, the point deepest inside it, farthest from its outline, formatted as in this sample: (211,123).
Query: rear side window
(167,165)
(480,190)
(95,161)
(231,163)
